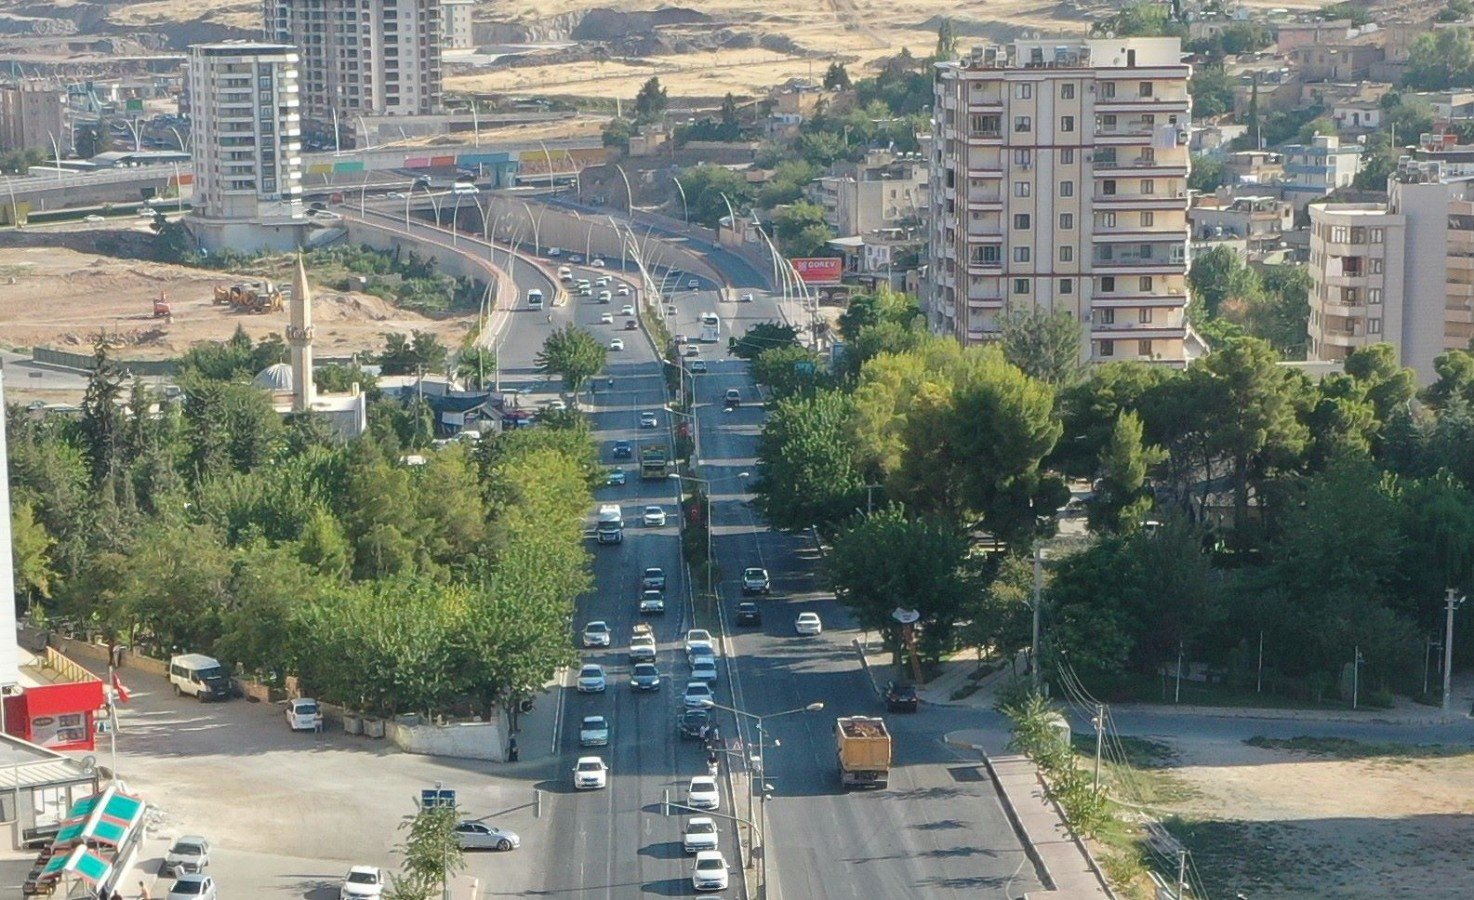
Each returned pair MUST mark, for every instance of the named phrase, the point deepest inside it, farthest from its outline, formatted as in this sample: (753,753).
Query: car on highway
(746,298)
(616,476)
(691,350)
(565,273)
(202,887)
(606,319)
(575,257)
(303,714)
(93,218)
(585,291)
(697,636)
(755,581)
(653,579)
(808,625)
(692,724)
(631,325)
(733,398)
(693,283)
(591,679)
(593,731)
(480,836)
(396,195)
(701,655)
(680,339)
(901,697)
(649,420)
(703,794)
(704,669)
(654,517)
(698,367)
(602,281)
(598,262)
(623,291)
(749,613)
(590,774)
(596,634)
(605,297)
(555,252)
(710,872)
(623,450)
(700,834)
(361,882)
(616,344)
(627,310)
(645,677)
(652,603)
(188,854)
(642,649)
(697,695)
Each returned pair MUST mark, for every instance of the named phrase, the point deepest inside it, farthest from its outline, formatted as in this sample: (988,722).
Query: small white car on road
(362,881)
(808,624)
(480,836)
(605,297)
(649,420)
(701,834)
(652,603)
(697,696)
(704,669)
(591,679)
(703,793)
(710,873)
(606,319)
(642,649)
(654,516)
(697,636)
(590,774)
(627,310)
(653,579)
(596,634)
(616,345)
(593,731)
(303,714)
(623,291)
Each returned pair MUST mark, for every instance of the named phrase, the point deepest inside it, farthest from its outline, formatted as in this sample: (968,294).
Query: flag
(123,693)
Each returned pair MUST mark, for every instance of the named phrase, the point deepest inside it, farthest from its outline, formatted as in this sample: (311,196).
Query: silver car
(190,853)
(194,887)
(476,836)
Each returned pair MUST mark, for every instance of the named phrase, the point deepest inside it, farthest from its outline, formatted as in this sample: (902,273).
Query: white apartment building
(456,24)
(884,191)
(247,133)
(1318,168)
(1059,181)
(362,57)
(1400,273)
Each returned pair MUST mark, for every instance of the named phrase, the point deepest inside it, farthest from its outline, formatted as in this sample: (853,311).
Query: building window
(1148,186)
(1108,187)
(1021,189)
(1067,285)
(1021,254)
(1143,348)
(1358,235)
(1067,156)
(1067,124)
(1340,234)
(1108,89)
(1066,254)
(1107,316)
(1067,92)
(1144,89)
(1066,221)
(1374,326)
(1107,123)
(1374,296)
(1022,124)
(1107,348)
(1067,188)
(1021,285)
(1023,157)
(1023,91)
(1376,264)
(1105,220)
(1148,219)
(1144,315)
(1145,284)
(1376,235)
(1108,284)
(1021,221)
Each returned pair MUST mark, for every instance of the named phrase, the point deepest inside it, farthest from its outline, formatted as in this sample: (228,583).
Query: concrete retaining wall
(462,740)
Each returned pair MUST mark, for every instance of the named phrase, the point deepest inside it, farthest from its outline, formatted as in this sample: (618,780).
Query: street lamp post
(685,208)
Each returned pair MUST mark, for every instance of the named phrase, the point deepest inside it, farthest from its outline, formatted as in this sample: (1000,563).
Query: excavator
(250,296)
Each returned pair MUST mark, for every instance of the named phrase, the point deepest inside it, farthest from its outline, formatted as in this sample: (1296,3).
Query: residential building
(1448,104)
(1059,182)
(1444,148)
(31,118)
(1254,167)
(246,140)
(1315,169)
(1340,62)
(885,191)
(1259,221)
(1292,35)
(1400,272)
(361,58)
(456,24)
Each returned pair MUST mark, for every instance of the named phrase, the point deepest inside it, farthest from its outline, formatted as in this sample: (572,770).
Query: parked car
(361,882)
(303,714)
(598,263)
(808,624)
(593,731)
(652,603)
(703,793)
(701,834)
(693,283)
(596,634)
(653,579)
(479,836)
(555,252)
(755,581)
(901,697)
(749,613)
(202,887)
(591,679)
(710,873)
(645,677)
(189,854)
(590,774)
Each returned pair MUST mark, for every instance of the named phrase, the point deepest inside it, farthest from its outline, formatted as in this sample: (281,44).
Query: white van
(565,274)
(535,298)
(200,676)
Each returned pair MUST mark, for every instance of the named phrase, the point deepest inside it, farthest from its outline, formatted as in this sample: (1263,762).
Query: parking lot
(287,812)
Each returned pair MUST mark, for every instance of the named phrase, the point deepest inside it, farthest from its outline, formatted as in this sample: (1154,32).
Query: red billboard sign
(819,269)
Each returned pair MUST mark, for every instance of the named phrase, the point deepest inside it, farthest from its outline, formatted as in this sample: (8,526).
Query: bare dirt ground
(63,298)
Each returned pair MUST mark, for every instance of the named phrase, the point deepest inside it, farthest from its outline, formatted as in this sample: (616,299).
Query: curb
(1032,852)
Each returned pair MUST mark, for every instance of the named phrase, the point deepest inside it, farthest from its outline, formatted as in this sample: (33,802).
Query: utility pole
(1038,601)
(1099,723)
(1181,873)
(1259,678)
(1177,692)
(1451,602)
(1355,675)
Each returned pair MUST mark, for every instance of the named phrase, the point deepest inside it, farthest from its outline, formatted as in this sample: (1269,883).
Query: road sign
(432,798)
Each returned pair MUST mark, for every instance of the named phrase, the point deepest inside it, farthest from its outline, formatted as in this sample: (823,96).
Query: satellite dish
(89,764)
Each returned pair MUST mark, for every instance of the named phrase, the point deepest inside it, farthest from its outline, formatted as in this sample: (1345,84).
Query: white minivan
(200,676)
(535,298)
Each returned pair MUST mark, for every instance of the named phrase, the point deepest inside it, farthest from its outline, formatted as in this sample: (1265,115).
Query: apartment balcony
(1136,301)
(1173,199)
(1111,167)
(979,267)
(1159,106)
(984,138)
(984,202)
(1144,264)
(1135,331)
(1123,235)
(984,304)
(988,173)
(985,104)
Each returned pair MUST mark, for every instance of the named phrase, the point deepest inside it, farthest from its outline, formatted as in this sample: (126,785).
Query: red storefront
(57,716)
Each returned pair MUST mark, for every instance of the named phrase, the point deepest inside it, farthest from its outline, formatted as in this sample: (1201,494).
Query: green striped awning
(82,862)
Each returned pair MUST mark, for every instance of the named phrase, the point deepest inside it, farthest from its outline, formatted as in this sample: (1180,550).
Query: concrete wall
(452,260)
(462,740)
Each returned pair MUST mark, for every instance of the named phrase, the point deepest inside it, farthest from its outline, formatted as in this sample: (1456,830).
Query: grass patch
(1147,779)
(1345,748)
(1232,855)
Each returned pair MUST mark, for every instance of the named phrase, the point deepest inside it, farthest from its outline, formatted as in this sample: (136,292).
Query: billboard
(818,269)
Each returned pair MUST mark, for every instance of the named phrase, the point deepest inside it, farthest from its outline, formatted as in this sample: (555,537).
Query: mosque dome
(274,378)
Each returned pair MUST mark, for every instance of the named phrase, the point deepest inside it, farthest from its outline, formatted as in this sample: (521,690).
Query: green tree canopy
(574,354)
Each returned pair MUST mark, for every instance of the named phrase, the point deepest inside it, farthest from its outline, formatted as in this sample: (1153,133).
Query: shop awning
(81,862)
(104,818)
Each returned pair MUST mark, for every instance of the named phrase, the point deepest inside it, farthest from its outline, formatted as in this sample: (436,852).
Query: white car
(697,696)
(693,284)
(701,655)
(598,263)
(478,836)
(593,732)
(746,298)
(93,219)
(808,624)
(591,679)
(557,404)
(303,714)
(710,873)
(653,579)
(616,344)
(697,636)
(701,834)
(202,887)
(605,297)
(189,853)
(654,517)
(590,774)
(362,881)
(555,252)
(704,669)
(627,310)
(649,420)
(642,649)
(596,634)
(602,281)
(606,319)
(652,603)
(703,793)
(623,291)
(698,367)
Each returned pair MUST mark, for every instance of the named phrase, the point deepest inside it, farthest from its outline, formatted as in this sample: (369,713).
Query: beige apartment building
(1400,273)
(31,118)
(362,58)
(1059,181)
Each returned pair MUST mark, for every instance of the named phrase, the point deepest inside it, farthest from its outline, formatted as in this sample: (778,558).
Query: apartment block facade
(455,24)
(1059,182)
(1400,273)
(362,57)
(31,118)
(247,132)
(882,192)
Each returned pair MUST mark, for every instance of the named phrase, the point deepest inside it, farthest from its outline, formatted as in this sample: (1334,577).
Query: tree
(763,336)
(102,415)
(946,40)
(616,135)
(1440,59)
(836,78)
(92,139)
(650,102)
(801,230)
(1123,498)
(789,371)
(432,853)
(1208,174)
(573,354)
(1211,89)
(1377,163)
(1045,345)
(731,123)
(476,365)
(709,189)
(420,353)
(809,471)
(1091,408)
(1455,371)
(1219,276)
(1280,313)
(30,547)
(867,309)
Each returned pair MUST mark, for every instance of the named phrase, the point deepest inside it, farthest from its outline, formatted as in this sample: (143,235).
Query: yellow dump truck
(864,751)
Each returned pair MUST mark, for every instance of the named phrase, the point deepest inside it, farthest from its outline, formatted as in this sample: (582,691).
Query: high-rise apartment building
(247,133)
(1400,273)
(362,57)
(1059,181)
(455,24)
(31,118)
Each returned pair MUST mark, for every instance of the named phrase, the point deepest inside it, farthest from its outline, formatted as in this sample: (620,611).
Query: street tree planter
(352,723)
(373,727)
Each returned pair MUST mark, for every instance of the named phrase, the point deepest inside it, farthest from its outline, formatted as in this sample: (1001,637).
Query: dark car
(749,613)
(631,325)
(734,398)
(901,697)
(645,677)
(692,723)
(623,450)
